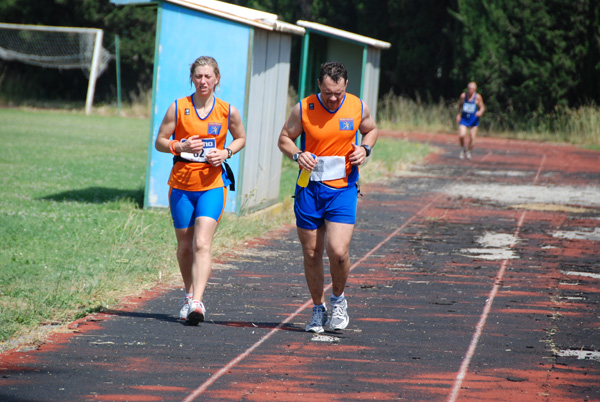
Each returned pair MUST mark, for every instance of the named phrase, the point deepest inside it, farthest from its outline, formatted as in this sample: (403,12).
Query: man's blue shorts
(318,202)
(186,206)
(469,122)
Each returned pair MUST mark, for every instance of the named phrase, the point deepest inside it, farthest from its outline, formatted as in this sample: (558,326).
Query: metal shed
(253,51)
(360,54)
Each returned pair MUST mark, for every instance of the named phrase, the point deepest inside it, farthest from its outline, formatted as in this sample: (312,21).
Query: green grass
(73,235)
(579,126)
(390,157)
(75,238)
(399,113)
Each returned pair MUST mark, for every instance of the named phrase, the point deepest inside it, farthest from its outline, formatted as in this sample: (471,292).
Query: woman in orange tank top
(194,130)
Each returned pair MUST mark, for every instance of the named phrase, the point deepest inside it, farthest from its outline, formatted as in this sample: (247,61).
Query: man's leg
(462,134)
(312,249)
(338,251)
(339,236)
(472,136)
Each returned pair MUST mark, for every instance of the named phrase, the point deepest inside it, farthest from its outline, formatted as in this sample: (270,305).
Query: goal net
(57,47)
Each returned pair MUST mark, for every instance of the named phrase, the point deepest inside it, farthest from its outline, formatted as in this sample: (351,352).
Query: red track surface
(436,313)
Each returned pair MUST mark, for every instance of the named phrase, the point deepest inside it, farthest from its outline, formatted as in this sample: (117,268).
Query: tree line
(529,57)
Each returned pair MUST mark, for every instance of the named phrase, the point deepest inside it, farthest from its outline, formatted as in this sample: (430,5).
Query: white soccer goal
(57,47)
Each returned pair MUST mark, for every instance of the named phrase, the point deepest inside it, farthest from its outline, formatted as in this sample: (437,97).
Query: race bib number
(329,168)
(209,145)
(469,107)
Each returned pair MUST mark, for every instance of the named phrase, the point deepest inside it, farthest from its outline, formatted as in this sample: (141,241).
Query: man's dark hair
(333,70)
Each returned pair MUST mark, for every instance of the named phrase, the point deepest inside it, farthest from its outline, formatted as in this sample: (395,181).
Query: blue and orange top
(213,129)
(331,133)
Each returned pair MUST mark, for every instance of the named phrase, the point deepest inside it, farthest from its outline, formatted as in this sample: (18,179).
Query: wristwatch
(296,156)
(367,148)
(229,153)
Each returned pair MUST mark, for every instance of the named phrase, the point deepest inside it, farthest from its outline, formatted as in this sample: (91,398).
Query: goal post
(93,72)
(57,47)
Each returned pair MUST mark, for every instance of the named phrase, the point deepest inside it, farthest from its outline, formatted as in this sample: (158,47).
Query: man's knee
(338,254)
(312,255)
(339,260)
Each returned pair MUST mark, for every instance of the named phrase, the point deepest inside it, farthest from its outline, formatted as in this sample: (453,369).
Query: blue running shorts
(186,206)
(473,121)
(318,202)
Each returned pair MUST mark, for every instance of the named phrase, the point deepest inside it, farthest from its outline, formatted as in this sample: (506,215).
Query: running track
(471,281)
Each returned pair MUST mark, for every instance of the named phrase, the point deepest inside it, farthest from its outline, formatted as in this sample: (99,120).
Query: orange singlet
(199,176)
(328,133)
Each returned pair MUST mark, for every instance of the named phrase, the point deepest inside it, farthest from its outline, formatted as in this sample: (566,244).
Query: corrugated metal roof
(248,16)
(241,14)
(339,33)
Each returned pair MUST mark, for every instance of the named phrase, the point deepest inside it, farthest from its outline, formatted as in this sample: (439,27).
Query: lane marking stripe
(464,367)
(205,385)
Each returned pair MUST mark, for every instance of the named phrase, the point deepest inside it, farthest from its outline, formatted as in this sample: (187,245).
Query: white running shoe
(319,320)
(468,155)
(185,307)
(462,154)
(339,315)
(196,314)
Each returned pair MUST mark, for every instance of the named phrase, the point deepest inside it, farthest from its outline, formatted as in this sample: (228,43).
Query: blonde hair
(205,61)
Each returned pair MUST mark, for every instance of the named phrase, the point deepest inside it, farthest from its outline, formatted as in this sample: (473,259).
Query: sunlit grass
(400,113)
(577,126)
(75,238)
(391,157)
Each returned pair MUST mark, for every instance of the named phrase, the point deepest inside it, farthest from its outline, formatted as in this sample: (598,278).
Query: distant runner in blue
(470,109)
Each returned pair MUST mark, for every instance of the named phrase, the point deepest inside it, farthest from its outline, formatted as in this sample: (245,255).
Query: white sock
(335,298)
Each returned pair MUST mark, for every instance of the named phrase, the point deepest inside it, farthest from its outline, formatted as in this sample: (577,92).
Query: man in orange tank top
(328,124)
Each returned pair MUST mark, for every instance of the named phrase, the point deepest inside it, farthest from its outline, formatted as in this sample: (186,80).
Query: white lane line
(578,273)
(204,386)
(198,391)
(464,367)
